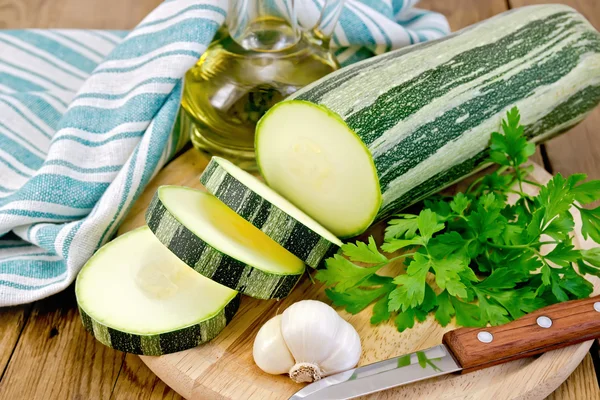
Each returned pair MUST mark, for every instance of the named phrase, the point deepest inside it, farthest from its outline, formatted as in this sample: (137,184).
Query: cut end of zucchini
(136,296)
(219,244)
(310,156)
(270,212)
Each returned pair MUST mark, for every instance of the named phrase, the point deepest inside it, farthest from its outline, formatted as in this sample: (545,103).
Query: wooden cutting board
(224,368)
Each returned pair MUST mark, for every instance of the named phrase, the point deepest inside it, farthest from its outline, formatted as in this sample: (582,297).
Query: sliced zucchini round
(135,296)
(270,212)
(309,155)
(212,239)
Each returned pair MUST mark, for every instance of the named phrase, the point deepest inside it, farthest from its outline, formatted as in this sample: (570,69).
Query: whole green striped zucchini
(372,138)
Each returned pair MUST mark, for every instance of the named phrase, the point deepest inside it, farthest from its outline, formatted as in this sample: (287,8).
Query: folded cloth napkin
(86,120)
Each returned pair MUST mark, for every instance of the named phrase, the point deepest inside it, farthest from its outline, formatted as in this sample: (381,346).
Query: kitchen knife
(468,349)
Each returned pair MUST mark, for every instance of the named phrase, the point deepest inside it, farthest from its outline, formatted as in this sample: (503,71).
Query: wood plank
(12,321)
(582,384)
(89,14)
(461,13)
(136,381)
(579,149)
(56,358)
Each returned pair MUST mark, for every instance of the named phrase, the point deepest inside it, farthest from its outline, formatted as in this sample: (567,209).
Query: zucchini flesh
(425,114)
(219,244)
(134,295)
(320,165)
(270,212)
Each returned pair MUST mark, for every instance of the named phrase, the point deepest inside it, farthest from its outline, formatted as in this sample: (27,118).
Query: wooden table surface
(44,350)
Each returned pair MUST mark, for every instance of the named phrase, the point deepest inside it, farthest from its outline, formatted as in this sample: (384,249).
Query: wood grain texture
(461,13)
(88,14)
(579,149)
(572,322)
(12,321)
(582,384)
(135,381)
(56,358)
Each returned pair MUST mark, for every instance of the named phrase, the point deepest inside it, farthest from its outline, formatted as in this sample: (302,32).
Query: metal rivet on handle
(597,306)
(485,337)
(544,322)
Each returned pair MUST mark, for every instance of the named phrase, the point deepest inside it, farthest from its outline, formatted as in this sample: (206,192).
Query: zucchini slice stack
(270,212)
(176,283)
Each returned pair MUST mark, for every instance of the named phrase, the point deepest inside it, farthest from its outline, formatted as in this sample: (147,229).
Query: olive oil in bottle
(262,57)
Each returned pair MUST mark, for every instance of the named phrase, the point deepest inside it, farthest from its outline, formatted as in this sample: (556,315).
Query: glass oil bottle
(264,54)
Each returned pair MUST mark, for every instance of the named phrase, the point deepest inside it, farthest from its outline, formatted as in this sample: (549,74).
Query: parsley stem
(520,193)
(520,246)
(377,267)
(399,257)
(533,183)
(310,277)
(474,183)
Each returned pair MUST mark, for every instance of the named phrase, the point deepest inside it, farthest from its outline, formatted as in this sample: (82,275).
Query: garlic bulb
(308,341)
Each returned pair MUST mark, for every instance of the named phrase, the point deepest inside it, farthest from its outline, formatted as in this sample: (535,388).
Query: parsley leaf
(357,299)
(592,256)
(362,252)
(344,273)
(591,223)
(445,244)
(411,286)
(447,275)
(406,227)
(445,310)
(459,203)
(427,221)
(491,312)
(560,227)
(512,145)
(380,311)
(405,320)
(564,254)
(556,197)
(467,314)
(587,192)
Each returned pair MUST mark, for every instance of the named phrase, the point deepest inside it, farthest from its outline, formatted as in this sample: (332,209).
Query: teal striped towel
(86,121)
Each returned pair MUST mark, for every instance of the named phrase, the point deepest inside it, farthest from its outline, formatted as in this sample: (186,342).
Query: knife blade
(468,349)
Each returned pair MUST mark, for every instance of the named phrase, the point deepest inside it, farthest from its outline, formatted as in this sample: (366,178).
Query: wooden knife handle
(548,328)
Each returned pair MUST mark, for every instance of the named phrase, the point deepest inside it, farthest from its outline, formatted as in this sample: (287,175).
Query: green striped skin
(290,233)
(212,263)
(163,343)
(426,112)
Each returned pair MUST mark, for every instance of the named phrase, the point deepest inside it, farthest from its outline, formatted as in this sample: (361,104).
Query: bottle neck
(263,25)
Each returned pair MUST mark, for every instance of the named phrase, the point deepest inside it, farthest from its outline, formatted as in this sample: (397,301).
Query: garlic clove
(347,351)
(270,351)
(309,329)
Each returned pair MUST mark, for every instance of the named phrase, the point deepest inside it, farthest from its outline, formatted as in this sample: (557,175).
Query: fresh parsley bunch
(476,256)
